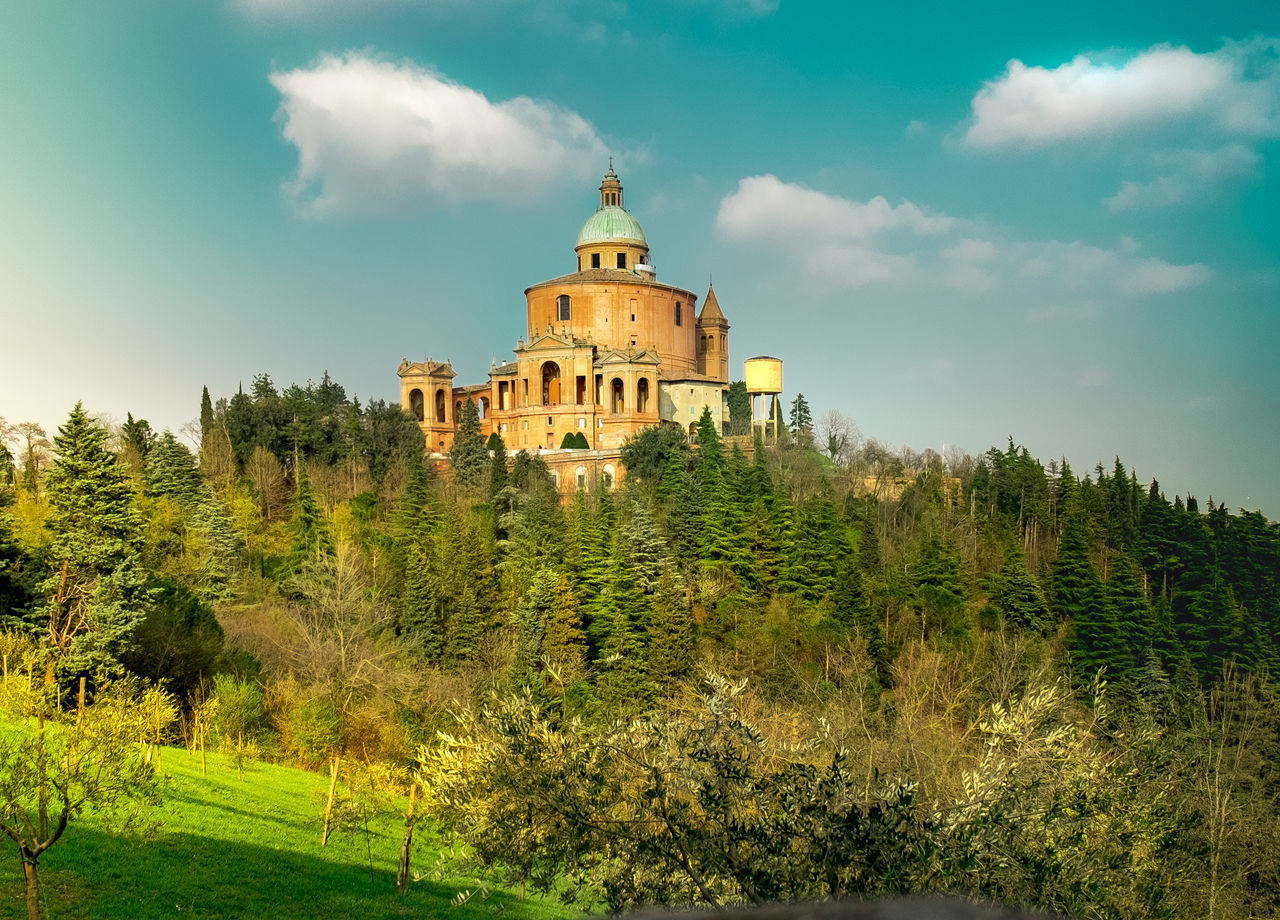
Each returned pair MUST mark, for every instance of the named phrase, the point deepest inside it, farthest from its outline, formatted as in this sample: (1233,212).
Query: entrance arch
(550,383)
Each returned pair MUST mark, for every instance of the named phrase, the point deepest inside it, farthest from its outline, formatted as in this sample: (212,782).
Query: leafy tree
(647,452)
(96,595)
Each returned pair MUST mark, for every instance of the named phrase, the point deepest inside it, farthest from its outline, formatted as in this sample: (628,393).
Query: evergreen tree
(530,619)
(15,595)
(939,588)
(1017,595)
(171,472)
(309,532)
(96,594)
(497,465)
(850,611)
(671,640)
(469,458)
(802,421)
(206,416)
(739,403)
(565,644)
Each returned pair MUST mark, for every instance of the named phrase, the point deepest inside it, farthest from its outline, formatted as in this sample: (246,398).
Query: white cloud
(843,243)
(968,266)
(1156,276)
(834,237)
(766,208)
(1183,174)
(1235,89)
(373,135)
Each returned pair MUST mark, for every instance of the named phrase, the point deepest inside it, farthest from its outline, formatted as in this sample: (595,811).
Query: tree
(50,776)
(35,455)
(801,421)
(739,401)
(497,466)
(469,458)
(96,596)
(647,452)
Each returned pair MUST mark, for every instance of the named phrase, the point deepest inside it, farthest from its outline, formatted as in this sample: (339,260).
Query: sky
(954,223)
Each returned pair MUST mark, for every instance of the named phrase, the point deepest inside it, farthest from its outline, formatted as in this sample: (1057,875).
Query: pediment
(614,357)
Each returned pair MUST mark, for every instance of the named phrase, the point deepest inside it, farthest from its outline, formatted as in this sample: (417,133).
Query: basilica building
(608,350)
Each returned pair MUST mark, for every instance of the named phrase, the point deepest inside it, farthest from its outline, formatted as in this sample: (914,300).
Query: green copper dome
(611,223)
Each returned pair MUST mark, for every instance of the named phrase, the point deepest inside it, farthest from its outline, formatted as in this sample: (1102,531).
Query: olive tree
(53,773)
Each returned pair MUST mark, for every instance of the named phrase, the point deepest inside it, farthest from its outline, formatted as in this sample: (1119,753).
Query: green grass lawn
(228,847)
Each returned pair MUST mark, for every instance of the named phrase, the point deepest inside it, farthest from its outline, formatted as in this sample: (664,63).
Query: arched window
(618,403)
(679,314)
(483,406)
(581,477)
(642,395)
(415,404)
(606,476)
(702,343)
(562,307)
(440,405)
(693,429)
(550,383)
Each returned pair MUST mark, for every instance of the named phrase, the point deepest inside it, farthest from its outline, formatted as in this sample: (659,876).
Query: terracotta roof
(710,307)
(612,276)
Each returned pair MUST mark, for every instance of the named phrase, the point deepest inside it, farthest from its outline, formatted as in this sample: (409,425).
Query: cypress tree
(96,593)
(530,619)
(497,466)
(565,644)
(671,639)
(468,457)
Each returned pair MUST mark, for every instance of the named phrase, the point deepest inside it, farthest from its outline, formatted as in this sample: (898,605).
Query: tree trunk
(403,878)
(32,873)
(328,806)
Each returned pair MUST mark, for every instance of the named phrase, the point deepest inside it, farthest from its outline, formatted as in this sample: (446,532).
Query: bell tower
(713,339)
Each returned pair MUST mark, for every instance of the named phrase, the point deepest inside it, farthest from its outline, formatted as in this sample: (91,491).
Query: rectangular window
(548,420)
(582,423)
(622,260)
(679,317)
(595,260)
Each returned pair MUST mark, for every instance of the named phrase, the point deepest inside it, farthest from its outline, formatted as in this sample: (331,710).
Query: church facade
(608,350)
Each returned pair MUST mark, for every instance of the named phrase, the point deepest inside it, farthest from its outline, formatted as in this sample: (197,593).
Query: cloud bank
(374,135)
(1235,90)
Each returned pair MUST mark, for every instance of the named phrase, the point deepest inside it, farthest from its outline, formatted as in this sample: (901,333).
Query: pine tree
(939,588)
(96,594)
(852,614)
(15,596)
(739,403)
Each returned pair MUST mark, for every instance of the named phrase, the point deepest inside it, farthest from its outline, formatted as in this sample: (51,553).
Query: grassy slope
(242,848)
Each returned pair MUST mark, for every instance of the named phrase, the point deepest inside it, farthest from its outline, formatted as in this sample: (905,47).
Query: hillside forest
(751,671)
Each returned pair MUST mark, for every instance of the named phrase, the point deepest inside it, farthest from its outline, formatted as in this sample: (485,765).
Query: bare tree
(838,436)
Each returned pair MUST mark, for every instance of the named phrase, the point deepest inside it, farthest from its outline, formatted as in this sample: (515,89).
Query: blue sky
(1055,222)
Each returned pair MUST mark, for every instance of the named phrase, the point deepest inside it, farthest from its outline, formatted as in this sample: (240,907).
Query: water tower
(764,379)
